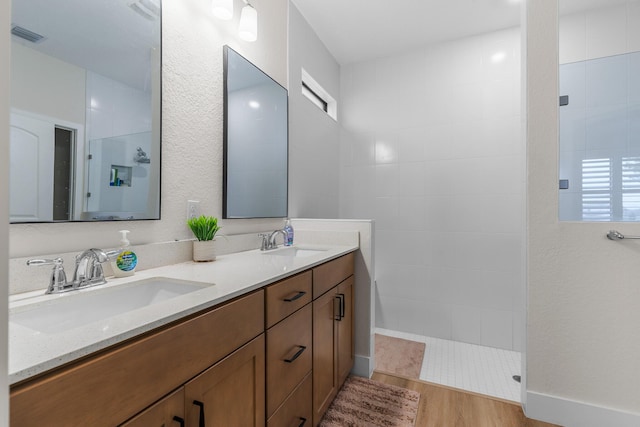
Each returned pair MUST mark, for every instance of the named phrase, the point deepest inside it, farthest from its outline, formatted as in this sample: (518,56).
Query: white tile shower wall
(600,32)
(115,109)
(432,151)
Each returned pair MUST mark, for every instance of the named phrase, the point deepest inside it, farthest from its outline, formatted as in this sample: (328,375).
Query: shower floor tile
(470,367)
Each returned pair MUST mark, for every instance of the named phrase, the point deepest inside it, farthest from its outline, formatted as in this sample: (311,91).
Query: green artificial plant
(204,227)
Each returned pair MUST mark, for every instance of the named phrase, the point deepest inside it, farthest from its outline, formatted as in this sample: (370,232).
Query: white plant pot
(204,251)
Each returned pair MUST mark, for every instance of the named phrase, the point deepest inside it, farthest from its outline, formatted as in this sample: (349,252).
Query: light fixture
(248,28)
(222,9)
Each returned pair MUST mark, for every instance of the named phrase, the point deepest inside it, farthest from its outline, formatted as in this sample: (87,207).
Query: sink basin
(295,252)
(79,308)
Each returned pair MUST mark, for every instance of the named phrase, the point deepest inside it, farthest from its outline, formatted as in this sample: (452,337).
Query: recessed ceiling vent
(148,9)
(27,35)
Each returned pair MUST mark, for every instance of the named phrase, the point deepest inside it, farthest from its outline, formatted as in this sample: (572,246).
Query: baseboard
(362,366)
(569,413)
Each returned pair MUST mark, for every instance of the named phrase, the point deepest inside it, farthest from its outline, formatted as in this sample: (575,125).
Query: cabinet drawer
(328,275)
(289,355)
(167,412)
(139,372)
(296,410)
(286,296)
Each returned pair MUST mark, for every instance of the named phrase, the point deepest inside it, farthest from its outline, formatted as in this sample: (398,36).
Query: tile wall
(431,149)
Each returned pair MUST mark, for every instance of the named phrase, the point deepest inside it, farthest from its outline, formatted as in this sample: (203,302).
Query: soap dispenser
(126,261)
(288,228)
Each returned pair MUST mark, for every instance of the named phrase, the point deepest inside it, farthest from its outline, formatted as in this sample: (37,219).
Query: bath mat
(366,403)
(399,357)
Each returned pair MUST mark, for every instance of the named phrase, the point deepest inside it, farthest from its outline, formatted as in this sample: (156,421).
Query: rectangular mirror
(255,141)
(85,110)
(599,110)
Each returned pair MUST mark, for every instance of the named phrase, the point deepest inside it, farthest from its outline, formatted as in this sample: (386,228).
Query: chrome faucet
(89,268)
(269,240)
(88,271)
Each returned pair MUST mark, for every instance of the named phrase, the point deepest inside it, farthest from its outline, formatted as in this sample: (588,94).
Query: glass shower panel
(118,179)
(600,139)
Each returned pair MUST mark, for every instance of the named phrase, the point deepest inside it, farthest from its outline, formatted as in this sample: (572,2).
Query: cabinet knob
(201,416)
(302,422)
(298,353)
(179,420)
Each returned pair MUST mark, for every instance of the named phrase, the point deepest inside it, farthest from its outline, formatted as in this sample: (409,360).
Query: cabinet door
(345,325)
(231,392)
(168,412)
(325,346)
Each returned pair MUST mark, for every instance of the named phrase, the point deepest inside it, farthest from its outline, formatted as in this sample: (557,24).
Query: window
(318,95)
(611,189)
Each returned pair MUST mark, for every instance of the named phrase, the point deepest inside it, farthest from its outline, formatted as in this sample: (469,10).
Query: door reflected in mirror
(255,141)
(85,110)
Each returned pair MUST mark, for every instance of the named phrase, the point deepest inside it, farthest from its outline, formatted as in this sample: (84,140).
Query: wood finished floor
(441,406)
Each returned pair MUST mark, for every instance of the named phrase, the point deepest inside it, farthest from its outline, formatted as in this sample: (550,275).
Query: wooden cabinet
(345,329)
(333,345)
(289,348)
(296,411)
(230,393)
(137,373)
(168,412)
(325,380)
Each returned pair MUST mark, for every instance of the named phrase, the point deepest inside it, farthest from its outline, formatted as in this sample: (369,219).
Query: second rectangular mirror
(255,141)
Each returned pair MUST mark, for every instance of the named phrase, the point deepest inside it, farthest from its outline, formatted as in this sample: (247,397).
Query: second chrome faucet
(269,240)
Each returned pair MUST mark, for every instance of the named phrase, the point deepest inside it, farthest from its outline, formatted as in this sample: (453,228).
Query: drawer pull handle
(298,353)
(340,315)
(304,420)
(179,420)
(296,296)
(201,416)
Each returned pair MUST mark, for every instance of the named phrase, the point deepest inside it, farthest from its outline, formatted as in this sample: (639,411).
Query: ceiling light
(248,28)
(222,9)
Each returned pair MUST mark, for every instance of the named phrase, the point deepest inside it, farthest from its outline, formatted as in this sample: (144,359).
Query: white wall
(432,150)
(596,33)
(34,74)
(115,109)
(314,146)
(583,293)
(5,13)
(191,129)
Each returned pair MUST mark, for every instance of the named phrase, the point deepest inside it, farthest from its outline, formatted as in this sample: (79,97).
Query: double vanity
(254,338)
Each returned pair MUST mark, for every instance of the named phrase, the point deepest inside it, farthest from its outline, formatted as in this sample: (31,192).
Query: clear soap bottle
(288,228)
(126,262)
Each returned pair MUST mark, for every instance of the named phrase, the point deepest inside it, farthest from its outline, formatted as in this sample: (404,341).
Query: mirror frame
(225,207)
(81,180)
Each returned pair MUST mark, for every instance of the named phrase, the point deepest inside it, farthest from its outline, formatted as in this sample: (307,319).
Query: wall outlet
(193,209)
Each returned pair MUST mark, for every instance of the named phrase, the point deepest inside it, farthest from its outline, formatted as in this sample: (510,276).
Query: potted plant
(205,229)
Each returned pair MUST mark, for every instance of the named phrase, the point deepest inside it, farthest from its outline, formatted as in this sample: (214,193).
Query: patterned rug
(399,357)
(366,403)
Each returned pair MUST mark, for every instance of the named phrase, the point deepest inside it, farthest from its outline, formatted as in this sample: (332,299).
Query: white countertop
(32,352)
